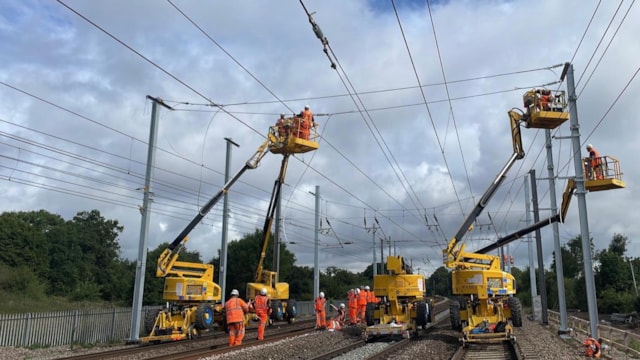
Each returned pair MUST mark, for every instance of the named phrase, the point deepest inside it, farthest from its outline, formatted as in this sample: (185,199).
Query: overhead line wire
(435,131)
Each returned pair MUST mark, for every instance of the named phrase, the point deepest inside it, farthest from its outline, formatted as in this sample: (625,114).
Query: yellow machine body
(403,308)
(541,114)
(193,299)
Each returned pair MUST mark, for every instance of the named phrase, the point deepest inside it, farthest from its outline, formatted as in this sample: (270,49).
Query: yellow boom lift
(282,308)
(192,297)
(486,309)
(404,309)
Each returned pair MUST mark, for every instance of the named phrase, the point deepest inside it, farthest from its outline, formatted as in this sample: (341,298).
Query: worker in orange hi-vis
(306,123)
(235,308)
(352,304)
(321,312)
(337,322)
(262,306)
(371,295)
(362,304)
(594,170)
(592,348)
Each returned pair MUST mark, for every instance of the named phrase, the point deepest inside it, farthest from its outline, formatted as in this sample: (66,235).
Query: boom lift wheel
(516,311)
(422,314)
(150,320)
(204,317)
(276,310)
(454,315)
(368,314)
(292,311)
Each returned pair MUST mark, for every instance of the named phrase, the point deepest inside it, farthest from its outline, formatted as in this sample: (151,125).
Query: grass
(18,304)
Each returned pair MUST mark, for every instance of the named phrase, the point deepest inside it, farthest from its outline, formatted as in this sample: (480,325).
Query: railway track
(210,342)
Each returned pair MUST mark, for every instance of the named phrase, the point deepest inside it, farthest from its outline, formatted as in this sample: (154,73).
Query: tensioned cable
(366,92)
(446,86)
(593,54)
(155,64)
(433,125)
(605,50)
(585,31)
(229,55)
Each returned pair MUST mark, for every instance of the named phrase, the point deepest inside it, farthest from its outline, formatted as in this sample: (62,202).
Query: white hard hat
(282,115)
(367,287)
(321,294)
(306,106)
(341,306)
(235,292)
(589,146)
(263,291)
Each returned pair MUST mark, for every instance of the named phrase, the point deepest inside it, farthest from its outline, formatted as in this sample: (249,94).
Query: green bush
(86,291)
(21,281)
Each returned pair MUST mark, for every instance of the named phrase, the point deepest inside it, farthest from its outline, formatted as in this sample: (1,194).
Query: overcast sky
(74,117)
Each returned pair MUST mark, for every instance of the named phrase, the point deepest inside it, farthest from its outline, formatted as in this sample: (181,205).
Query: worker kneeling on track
(337,321)
(592,347)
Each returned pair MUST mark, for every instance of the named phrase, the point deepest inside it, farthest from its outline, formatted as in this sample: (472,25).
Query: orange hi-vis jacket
(320,304)
(235,309)
(353,301)
(371,297)
(362,298)
(261,304)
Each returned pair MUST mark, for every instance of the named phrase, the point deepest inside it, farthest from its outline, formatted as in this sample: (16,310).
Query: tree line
(44,255)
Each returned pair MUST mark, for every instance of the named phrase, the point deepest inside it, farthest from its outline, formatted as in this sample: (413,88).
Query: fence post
(74,330)
(27,329)
(113,325)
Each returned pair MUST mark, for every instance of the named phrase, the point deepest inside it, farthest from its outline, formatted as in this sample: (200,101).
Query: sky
(413,121)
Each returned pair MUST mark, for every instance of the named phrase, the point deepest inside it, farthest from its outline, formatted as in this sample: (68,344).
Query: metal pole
(556,236)
(582,203)
(316,270)
(225,223)
(375,264)
(382,255)
(141,264)
(536,218)
(532,266)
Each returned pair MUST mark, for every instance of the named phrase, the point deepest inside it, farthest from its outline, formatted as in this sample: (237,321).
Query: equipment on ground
(485,308)
(404,309)
(192,297)
(282,308)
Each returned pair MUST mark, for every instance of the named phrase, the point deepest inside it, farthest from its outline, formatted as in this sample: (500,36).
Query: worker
(306,123)
(545,100)
(371,295)
(283,128)
(262,306)
(592,347)
(337,321)
(235,308)
(353,307)
(362,304)
(594,165)
(321,314)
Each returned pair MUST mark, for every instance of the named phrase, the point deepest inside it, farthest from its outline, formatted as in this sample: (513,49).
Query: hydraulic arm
(169,256)
(453,249)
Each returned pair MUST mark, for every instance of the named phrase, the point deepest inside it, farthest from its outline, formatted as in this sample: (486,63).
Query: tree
(439,283)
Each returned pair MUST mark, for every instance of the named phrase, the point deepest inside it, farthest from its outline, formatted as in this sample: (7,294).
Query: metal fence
(93,326)
(622,344)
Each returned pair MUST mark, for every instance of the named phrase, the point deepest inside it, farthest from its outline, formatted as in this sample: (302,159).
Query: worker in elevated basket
(235,308)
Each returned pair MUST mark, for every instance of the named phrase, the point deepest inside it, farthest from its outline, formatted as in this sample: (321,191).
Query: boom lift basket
(604,176)
(290,139)
(545,109)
